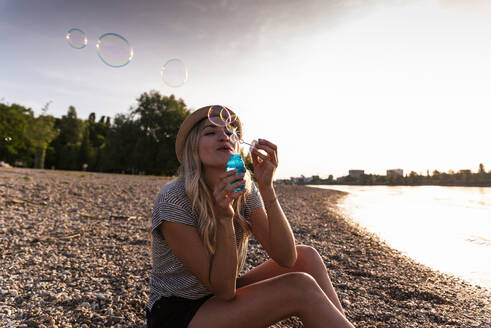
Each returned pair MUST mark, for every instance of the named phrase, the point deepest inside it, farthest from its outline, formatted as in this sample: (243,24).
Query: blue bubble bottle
(235,163)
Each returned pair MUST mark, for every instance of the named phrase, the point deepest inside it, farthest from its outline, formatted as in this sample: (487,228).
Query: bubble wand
(222,116)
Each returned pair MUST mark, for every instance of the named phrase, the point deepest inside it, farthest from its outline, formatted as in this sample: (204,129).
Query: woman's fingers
(270,149)
(268,143)
(270,154)
(228,177)
(228,183)
(229,188)
(223,199)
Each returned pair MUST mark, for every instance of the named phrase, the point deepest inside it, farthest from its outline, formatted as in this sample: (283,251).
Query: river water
(445,228)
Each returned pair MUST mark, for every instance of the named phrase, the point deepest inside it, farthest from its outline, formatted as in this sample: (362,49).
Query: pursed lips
(225,147)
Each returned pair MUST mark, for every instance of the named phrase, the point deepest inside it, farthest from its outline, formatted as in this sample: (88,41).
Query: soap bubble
(8,139)
(234,137)
(224,117)
(221,116)
(76,38)
(174,73)
(114,50)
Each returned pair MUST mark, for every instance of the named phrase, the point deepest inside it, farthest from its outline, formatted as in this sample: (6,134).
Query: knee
(308,258)
(302,285)
(300,281)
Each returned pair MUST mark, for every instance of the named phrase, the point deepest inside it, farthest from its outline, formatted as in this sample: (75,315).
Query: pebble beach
(75,252)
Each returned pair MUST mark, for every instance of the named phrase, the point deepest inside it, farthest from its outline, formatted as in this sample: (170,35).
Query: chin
(217,162)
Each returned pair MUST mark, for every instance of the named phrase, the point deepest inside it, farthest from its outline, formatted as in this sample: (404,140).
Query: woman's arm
(217,272)
(271,227)
(223,269)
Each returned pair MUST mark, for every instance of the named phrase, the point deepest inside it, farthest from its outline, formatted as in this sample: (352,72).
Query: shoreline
(398,185)
(378,285)
(359,203)
(75,251)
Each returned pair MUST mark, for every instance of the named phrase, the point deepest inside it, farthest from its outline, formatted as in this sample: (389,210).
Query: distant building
(341,179)
(395,172)
(301,180)
(356,173)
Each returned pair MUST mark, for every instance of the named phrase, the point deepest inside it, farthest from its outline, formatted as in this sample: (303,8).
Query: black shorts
(173,312)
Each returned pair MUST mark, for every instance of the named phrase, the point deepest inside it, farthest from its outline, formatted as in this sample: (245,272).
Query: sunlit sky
(337,85)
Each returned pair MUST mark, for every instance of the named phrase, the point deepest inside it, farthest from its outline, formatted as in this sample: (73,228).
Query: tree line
(141,141)
(459,178)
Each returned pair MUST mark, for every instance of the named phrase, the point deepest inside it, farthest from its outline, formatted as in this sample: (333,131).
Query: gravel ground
(75,253)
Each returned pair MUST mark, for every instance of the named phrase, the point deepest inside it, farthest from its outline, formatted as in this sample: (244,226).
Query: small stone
(100,296)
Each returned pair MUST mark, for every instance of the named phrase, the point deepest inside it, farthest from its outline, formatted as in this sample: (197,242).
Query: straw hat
(190,122)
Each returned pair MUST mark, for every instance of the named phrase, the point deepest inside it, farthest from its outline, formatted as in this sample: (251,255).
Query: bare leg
(308,260)
(266,302)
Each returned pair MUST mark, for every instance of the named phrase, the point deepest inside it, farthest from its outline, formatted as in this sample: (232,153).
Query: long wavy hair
(192,173)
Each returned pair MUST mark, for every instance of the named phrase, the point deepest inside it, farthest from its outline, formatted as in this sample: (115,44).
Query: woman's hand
(225,195)
(264,164)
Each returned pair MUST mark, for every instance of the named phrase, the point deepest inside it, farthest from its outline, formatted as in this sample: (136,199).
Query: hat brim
(190,121)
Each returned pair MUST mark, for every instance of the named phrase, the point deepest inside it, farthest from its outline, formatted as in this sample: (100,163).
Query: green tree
(481,169)
(93,141)
(14,144)
(119,145)
(87,153)
(66,147)
(158,119)
(71,127)
(413,178)
(41,131)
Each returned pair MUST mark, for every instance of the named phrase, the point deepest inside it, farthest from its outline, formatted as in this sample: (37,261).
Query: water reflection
(446,228)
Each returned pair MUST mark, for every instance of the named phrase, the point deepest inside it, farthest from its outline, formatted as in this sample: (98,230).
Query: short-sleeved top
(169,277)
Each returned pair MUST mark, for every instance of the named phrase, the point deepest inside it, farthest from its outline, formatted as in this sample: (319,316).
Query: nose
(223,134)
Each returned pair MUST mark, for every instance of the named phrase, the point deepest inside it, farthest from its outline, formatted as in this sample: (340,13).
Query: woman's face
(215,145)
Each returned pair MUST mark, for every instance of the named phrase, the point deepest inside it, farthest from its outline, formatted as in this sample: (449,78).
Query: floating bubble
(224,117)
(8,139)
(174,73)
(234,137)
(230,117)
(76,38)
(114,50)
(231,128)
(220,116)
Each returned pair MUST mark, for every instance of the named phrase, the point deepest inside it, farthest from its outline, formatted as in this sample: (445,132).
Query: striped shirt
(168,276)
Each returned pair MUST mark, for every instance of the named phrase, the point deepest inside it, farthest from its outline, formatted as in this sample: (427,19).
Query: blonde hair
(192,173)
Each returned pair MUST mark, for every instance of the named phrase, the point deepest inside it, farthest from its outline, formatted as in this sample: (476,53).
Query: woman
(200,230)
